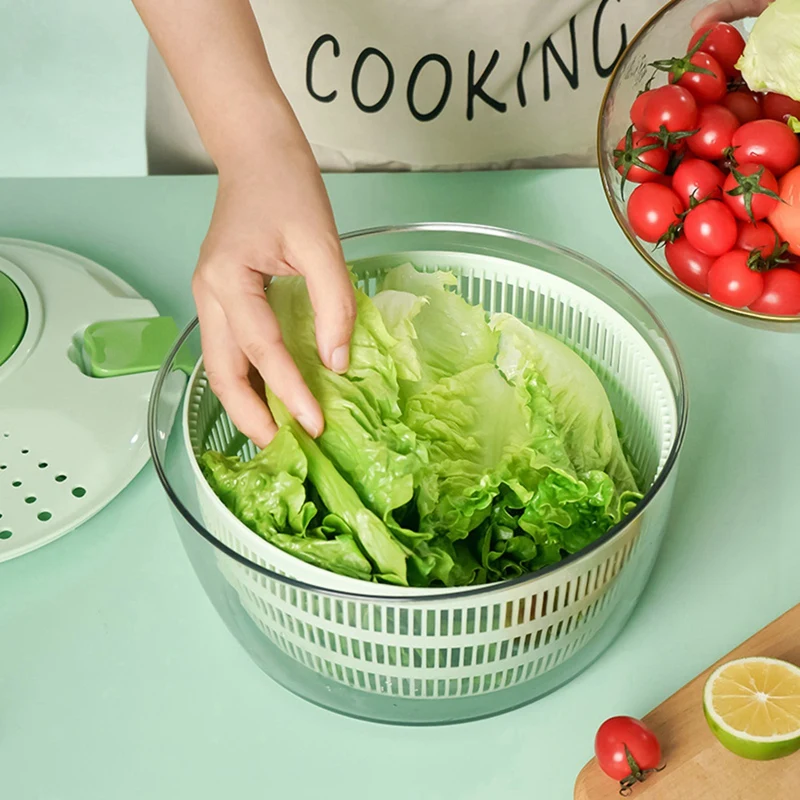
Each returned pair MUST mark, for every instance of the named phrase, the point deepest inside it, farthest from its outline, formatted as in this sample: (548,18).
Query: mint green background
(117,679)
(72,88)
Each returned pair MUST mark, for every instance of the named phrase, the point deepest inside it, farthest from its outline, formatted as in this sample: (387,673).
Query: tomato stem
(748,186)
(678,67)
(629,157)
(637,775)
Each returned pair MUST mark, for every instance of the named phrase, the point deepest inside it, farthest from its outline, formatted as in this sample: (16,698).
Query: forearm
(215,53)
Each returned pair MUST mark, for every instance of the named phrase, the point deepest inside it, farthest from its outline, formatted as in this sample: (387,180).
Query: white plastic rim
(69,443)
(718,720)
(406,642)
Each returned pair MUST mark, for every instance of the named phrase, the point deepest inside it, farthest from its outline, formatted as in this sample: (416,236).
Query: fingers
(258,334)
(333,299)
(728,11)
(227,371)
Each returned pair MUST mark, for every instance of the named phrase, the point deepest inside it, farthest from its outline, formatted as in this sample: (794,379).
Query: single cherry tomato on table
(627,750)
(716,125)
(731,280)
(640,158)
(689,265)
(698,179)
(779,107)
(723,42)
(786,216)
(767,142)
(758,237)
(711,228)
(744,104)
(652,209)
(673,107)
(780,294)
(638,108)
(751,192)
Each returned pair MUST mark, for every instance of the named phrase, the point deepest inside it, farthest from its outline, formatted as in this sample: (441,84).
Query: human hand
(271,218)
(728,11)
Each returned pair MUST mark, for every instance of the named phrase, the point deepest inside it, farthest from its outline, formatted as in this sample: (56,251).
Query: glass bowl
(414,656)
(665,35)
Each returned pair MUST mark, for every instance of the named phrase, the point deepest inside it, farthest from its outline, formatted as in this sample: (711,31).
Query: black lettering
(387,92)
(475,89)
(412,83)
(312,54)
(602,71)
(526,51)
(570,75)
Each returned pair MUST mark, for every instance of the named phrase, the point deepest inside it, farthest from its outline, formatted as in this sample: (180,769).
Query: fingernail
(340,359)
(310,424)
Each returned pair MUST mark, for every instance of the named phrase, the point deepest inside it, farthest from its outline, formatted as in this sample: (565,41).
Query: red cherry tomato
(767,142)
(652,208)
(711,228)
(786,216)
(717,125)
(779,106)
(732,282)
(708,86)
(758,236)
(780,294)
(635,152)
(699,179)
(723,42)
(689,265)
(673,107)
(744,104)
(755,186)
(637,110)
(616,739)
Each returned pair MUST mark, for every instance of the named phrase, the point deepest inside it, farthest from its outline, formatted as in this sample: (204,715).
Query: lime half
(753,707)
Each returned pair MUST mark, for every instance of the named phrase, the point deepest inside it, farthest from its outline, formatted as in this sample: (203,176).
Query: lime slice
(753,707)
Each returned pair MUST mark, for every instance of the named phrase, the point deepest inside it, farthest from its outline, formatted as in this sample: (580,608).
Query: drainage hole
(5,534)
(44,516)
(78,491)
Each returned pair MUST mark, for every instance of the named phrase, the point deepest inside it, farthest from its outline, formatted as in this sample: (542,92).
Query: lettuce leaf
(364,434)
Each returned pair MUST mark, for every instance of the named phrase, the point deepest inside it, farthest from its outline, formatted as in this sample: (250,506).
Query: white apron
(425,84)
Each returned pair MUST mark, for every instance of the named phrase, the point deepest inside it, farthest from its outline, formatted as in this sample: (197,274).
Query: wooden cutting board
(697,765)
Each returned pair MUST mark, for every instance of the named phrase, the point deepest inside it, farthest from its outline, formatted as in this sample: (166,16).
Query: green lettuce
(458,448)
(771,58)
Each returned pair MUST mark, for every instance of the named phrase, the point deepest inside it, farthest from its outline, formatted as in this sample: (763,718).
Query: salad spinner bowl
(665,35)
(431,656)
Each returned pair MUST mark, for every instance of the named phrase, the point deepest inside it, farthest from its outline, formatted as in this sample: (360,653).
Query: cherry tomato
(780,294)
(689,265)
(652,208)
(758,236)
(744,104)
(673,107)
(779,106)
(711,228)
(723,42)
(637,110)
(786,216)
(620,737)
(698,179)
(635,152)
(767,142)
(717,125)
(732,282)
(751,192)
(706,88)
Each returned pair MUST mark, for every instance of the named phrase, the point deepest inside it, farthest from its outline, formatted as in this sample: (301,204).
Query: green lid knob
(13,317)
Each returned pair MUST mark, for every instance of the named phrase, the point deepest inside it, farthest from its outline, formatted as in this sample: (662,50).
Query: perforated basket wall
(455,643)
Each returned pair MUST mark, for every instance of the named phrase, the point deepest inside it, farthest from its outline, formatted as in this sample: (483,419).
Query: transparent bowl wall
(588,597)
(664,36)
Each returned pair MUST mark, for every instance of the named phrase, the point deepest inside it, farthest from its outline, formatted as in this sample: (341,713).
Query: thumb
(728,11)
(333,299)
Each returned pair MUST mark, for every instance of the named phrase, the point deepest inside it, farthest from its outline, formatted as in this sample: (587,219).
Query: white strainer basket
(452,643)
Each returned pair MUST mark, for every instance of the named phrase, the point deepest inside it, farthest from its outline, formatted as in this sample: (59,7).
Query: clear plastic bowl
(428,656)
(665,35)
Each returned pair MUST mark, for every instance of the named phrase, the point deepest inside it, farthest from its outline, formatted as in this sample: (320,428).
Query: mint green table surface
(119,682)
